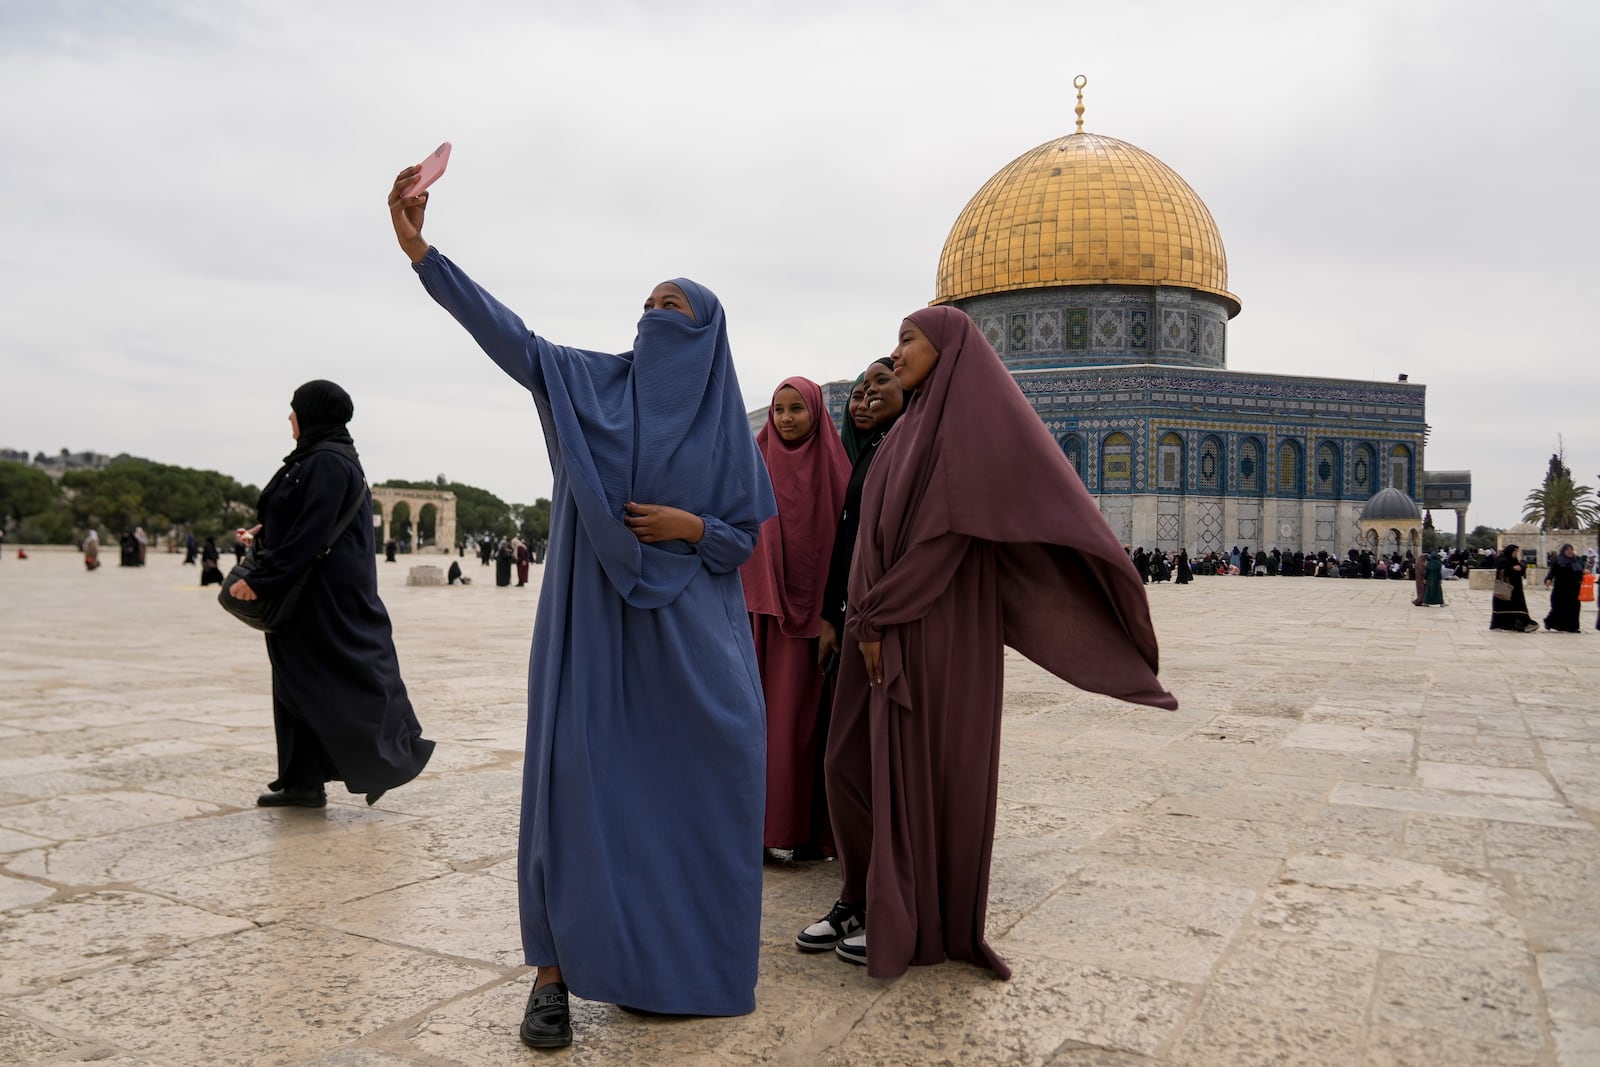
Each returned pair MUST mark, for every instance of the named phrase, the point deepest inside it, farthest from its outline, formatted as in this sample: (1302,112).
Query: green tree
(53,526)
(128,492)
(162,498)
(1482,537)
(236,516)
(1561,505)
(1557,467)
(533,520)
(24,490)
(112,498)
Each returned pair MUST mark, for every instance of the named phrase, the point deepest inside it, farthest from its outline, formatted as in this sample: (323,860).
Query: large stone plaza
(1368,836)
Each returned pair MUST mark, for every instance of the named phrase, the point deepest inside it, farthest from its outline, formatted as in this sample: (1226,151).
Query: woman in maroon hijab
(975,534)
(783,585)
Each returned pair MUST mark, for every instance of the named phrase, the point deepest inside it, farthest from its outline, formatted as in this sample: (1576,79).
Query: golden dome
(1083,210)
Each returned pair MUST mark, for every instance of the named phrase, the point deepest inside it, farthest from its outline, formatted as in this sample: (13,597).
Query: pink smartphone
(432,170)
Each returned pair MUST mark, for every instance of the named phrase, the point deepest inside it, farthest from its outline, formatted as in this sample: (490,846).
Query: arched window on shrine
(1250,466)
(1072,445)
(1116,463)
(1363,472)
(1169,463)
(1400,468)
(1329,471)
(1290,480)
(1211,465)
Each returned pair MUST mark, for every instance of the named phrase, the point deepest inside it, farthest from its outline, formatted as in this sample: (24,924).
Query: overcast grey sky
(195,221)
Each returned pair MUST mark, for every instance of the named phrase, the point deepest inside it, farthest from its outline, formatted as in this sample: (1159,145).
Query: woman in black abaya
(1512,612)
(503,555)
(338,703)
(1565,580)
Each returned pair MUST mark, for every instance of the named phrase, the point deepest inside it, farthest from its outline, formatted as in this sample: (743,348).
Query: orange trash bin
(1586,590)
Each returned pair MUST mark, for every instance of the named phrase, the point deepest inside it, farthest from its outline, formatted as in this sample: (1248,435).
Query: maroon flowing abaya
(783,583)
(952,564)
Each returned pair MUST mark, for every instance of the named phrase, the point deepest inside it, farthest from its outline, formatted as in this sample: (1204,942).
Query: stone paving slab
(1370,835)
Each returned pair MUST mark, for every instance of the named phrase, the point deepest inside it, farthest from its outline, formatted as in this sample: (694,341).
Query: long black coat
(334,669)
(1566,585)
(1510,614)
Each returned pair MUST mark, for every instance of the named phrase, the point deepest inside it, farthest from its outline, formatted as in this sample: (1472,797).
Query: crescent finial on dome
(1078,83)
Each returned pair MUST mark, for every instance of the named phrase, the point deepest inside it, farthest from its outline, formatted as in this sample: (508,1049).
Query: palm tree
(1561,505)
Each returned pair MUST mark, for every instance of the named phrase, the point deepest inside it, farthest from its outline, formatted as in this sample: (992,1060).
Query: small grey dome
(1391,504)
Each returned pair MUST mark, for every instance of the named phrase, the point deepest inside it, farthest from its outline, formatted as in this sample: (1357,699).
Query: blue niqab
(662,424)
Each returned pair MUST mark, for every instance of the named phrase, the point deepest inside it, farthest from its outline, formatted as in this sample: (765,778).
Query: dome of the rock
(1084,209)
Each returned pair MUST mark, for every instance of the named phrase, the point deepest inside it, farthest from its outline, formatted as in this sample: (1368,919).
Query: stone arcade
(384,500)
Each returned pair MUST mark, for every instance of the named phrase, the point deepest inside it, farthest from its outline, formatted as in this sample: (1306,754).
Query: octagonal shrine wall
(1209,459)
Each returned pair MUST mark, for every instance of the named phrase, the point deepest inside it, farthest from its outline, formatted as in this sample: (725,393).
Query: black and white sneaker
(828,931)
(853,949)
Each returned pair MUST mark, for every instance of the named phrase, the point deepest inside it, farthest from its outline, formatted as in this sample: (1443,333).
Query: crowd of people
(1160,566)
(1564,575)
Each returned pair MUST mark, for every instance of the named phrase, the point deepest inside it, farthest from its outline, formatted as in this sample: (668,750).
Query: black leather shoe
(546,1022)
(293,798)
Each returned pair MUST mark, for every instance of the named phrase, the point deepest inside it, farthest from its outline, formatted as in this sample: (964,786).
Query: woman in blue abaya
(639,861)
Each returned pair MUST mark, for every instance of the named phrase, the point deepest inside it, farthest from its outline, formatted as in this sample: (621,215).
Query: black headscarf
(855,440)
(858,441)
(1573,562)
(322,409)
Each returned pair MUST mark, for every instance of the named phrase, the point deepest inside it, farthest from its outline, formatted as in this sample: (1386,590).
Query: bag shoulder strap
(350,512)
(344,520)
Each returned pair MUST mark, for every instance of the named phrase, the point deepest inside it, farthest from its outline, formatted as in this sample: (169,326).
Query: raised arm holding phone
(639,862)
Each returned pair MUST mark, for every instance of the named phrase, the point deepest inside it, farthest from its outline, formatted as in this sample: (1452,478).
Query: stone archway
(443,502)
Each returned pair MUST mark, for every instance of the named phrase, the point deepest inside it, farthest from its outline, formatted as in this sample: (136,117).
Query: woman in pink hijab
(976,533)
(783,586)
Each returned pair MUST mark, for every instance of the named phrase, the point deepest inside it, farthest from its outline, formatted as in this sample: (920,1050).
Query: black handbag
(270,614)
